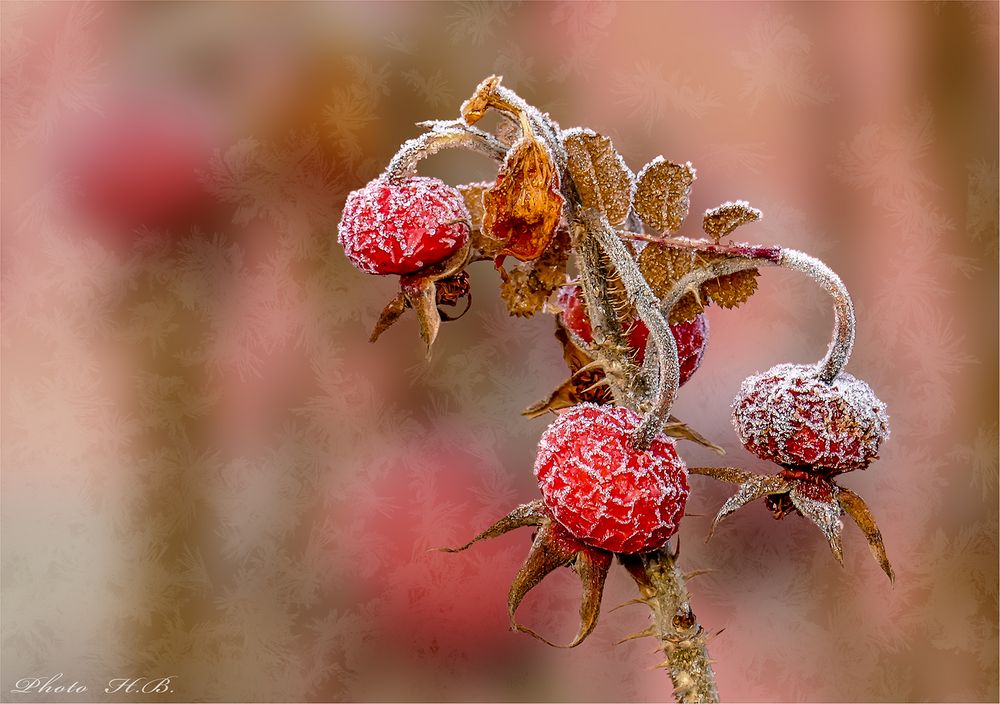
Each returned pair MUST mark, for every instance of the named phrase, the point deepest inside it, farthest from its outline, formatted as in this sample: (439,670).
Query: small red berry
(788,415)
(401,227)
(691,336)
(601,489)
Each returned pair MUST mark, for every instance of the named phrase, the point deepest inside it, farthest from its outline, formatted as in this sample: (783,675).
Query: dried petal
(662,194)
(602,179)
(856,508)
(753,488)
(723,219)
(663,265)
(530,514)
(475,107)
(523,207)
(390,314)
(825,514)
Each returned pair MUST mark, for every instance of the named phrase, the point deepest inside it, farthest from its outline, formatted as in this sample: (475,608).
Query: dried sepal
(390,314)
(732,475)
(421,295)
(662,194)
(663,265)
(530,514)
(553,548)
(855,507)
(601,177)
(721,220)
(825,514)
(476,106)
(754,487)
(524,205)
(526,287)
(678,429)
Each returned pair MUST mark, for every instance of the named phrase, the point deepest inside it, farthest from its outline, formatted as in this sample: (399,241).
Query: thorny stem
(682,640)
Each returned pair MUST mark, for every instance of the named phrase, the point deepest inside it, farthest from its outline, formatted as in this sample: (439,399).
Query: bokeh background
(209,473)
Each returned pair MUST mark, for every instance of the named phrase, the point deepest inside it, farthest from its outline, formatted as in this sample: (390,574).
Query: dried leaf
(390,314)
(857,509)
(530,514)
(662,266)
(662,194)
(527,286)
(476,106)
(524,205)
(721,220)
(731,290)
(602,179)
(473,195)
(677,429)
(825,514)
(753,488)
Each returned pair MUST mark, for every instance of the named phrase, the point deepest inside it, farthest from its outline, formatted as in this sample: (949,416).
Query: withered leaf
(472,193)
(731,290)
(476,106)
(662,266)
(527,286)
(530,514)
(662,194)
(524,205)
(602,179)
(754,487)
(390,314)
(857,509)
(723,219)
(824,514)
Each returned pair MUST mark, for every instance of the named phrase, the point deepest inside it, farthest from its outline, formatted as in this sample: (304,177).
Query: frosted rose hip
(789,416)
(402,227)
(601,489)
(691,336)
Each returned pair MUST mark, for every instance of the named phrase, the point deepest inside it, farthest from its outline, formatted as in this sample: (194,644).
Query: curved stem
(404,162)
(843,325)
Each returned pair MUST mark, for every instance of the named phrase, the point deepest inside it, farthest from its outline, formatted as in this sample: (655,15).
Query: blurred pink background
(209,473)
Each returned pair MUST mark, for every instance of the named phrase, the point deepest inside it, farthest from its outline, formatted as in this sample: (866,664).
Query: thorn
(648,632)
(597,385)
(629,603)
(715,635)
(697,573)
(665,665)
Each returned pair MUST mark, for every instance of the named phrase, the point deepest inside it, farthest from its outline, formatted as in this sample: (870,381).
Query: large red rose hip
(691,336)
(601,489)
(401,227)
(789,416)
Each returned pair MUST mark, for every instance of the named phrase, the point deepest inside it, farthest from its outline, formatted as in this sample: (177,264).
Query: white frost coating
(790,416)
(735,204)
(659,160)
(601,489)
(398,228)
(843,326)
(622,166)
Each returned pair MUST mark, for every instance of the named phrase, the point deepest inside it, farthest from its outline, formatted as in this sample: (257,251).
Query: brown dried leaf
(662,266)
(390,314)
(662,194)
(527,286)
(473,195)
(857,509)
(825,514)
(732,290)
(723,219)
(753,488)
(476,106)
(523,207)
(602,179)
(530,514)
(678,429)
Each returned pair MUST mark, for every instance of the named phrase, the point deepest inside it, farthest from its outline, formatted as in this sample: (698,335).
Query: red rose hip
(691,336)
(789,416)
(401,227)
(601,489)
